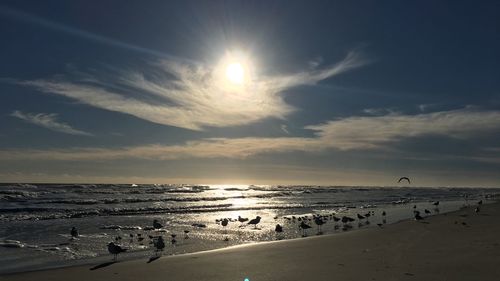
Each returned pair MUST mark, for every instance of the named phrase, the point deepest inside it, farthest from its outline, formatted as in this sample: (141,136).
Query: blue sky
(335,92)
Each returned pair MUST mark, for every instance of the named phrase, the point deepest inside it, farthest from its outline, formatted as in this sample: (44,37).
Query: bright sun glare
(235,73)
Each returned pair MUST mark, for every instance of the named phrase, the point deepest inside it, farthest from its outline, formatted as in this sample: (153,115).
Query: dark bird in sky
(404,178)
(255,221)
(74,232)
(157,224)
(115,249)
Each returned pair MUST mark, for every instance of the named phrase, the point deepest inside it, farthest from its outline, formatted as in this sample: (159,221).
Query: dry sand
(442,248)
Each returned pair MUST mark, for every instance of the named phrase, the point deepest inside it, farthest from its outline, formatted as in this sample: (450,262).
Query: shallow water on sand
(36,219)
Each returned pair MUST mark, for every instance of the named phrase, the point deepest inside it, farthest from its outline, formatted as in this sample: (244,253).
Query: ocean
(36,219)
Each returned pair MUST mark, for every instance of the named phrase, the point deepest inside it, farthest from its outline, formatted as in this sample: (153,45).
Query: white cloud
(189,95)
(353,133)
(372,132)
(48,121)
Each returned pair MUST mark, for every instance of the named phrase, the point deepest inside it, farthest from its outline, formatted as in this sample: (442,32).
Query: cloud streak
(354,133)
(48,121)
(189,95)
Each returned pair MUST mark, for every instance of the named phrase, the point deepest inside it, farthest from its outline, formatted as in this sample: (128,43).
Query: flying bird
(404,178)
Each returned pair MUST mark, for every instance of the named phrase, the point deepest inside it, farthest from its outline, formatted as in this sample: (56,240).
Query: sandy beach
(462,245)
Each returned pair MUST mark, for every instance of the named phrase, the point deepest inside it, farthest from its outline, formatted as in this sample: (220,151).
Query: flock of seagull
(304,223)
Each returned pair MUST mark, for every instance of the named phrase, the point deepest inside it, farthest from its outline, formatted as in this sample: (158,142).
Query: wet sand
(462,245)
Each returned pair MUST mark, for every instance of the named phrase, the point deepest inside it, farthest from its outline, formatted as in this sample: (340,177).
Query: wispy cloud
(372,132)
(189,95)
(354,133)
(48,121)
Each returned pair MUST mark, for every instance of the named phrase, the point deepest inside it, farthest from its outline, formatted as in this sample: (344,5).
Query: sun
(235,73)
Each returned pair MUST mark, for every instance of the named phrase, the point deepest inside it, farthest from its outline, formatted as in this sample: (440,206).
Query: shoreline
(288,247)
(145,254)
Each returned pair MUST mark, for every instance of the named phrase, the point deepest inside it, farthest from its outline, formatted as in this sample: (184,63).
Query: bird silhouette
(115,249)
(157,224)
(319,222)
(159,244)
(304,226)
(404,178)
(255,221)
(278,228)
(74,232)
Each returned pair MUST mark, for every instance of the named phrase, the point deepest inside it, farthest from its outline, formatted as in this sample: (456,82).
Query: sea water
(36,219)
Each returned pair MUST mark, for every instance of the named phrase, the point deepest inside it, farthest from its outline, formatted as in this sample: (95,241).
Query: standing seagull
(224,223)
(159,244)
(319,222)
(304,226)
(242,220)
(157,224)
(74,232)
(278,228)
(115,249)
(255,221)
(404,178)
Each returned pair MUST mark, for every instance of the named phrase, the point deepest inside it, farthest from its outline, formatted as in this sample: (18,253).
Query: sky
(250,92)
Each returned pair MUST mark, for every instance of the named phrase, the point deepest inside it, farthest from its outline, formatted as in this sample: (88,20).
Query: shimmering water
(36,219)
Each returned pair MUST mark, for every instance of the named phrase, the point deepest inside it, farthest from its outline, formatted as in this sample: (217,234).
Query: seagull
(255,221)
(418,216)
(436,203)
(115,249)
(477,210)
(159,244)
(74,232)
(360,217)
(304,226)
(383,213)
(480,202)
(404,178)
(278,228)
(319,222)
(347,219)
(157,224)
(336,219)
(186,232)
(224,222)
(427,211)
(242,220)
